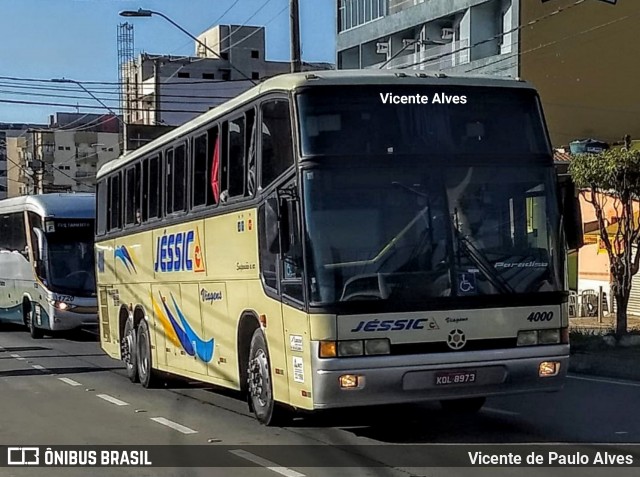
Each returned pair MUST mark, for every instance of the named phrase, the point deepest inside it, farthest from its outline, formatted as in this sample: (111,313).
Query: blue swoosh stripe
(204,349)
(182,336)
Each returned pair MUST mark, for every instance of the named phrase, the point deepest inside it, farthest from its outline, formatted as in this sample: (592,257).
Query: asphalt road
(65,391)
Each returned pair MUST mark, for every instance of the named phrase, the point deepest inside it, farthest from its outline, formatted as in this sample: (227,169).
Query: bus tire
(260,388)
(129,350)
(34,332)
(463,406)
(148,376)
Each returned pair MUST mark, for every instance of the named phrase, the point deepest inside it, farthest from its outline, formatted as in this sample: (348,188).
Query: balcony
(438,57)
(86,176)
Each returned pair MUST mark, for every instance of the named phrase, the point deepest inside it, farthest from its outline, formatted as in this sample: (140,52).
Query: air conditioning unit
(382,48)
(447,33)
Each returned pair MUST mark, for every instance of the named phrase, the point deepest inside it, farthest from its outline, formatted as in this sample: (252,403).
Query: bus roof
(293,81)
(70,205)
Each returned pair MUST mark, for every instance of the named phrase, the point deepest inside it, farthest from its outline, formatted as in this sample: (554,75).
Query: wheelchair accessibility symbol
(467,282)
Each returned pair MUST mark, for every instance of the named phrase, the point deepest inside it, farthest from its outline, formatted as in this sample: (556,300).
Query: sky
(77,39)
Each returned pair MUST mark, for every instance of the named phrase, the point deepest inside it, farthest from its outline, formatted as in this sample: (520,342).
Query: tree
(612,178)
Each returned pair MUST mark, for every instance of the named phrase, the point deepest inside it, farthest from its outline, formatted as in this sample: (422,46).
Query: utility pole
(296,57)
(39,171)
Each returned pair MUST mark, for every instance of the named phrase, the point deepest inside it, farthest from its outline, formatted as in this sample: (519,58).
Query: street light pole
(142,12)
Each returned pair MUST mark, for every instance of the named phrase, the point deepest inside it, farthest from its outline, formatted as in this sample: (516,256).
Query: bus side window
(236,157)
(115,203)
(101,222)
(168,173)
(268,260)
(132,195)
(250,160)
(153,186)
(200,176)
(180,178)
(277,148)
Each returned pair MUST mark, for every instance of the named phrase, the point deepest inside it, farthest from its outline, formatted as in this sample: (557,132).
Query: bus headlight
(350,348)
(377,346)
(541,337)
(549,336)
(62,305)
(527,338)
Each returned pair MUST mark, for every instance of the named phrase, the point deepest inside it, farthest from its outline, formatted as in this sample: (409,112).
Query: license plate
(455,377)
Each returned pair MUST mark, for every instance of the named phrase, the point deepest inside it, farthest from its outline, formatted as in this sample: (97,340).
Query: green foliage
(614,170)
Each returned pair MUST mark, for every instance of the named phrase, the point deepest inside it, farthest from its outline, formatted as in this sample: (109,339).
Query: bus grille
(441,346)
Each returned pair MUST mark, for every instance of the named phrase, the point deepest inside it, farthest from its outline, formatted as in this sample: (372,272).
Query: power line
(85,106)
(257,30)
(495,37)
(52,95)
(588,30)
(110,92)
(117,83)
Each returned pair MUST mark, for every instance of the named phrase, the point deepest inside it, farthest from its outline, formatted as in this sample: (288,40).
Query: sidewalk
(591,354)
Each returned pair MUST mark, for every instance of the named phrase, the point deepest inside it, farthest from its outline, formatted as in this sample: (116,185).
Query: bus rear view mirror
(42,252)
(571,214)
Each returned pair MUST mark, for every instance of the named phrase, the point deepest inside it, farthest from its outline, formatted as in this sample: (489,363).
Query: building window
(208,76)
(183,74)
(353,13)
(226,74)
(255,54)
(255,75)
(67,148)
(60,148)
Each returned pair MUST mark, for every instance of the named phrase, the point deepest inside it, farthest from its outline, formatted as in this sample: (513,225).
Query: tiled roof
(561,156)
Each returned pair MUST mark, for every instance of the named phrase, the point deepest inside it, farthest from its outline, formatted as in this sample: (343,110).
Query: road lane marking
(112,400)
(606,381)
(173,425)
(272,466)
(39,367)
(500,411)
(70,381)
(17,356)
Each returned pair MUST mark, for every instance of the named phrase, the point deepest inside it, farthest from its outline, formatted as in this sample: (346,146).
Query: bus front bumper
(425,377)
(68,320)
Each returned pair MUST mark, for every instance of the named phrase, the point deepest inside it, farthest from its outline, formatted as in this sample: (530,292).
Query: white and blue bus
(47,266)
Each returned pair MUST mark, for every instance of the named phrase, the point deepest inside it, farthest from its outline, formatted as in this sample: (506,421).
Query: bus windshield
(402,232)
(71,258)
(364,120)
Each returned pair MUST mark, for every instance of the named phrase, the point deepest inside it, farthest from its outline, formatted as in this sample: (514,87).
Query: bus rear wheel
(148,376)
(260,387)
(463,406)
(129,350)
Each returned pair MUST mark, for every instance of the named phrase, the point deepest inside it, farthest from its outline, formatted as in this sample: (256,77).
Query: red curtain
(215,172)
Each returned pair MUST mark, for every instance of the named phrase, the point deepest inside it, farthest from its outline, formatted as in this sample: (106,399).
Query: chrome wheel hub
(258,378)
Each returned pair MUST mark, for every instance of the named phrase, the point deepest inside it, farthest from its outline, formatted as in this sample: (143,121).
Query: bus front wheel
(129,350)
(148,376)
(260,386)
(36,333)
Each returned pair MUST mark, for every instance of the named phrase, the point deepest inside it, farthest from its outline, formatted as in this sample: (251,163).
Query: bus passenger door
(295,319)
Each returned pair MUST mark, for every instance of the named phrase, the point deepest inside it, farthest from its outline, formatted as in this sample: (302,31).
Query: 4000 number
(540,316)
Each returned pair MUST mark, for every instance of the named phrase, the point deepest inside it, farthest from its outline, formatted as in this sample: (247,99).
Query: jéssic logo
(397,325)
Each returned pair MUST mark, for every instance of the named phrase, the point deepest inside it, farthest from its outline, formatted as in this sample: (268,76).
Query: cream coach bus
(47,268)
(343,238)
